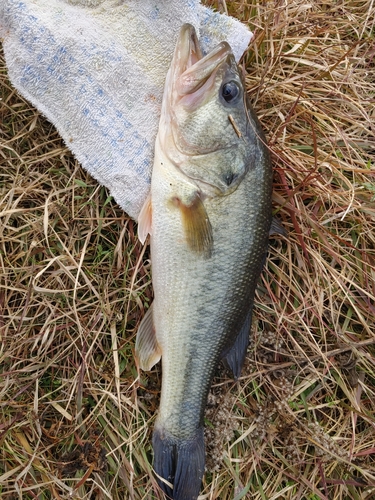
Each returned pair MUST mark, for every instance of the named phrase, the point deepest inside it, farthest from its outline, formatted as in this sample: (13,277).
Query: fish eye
(230,92)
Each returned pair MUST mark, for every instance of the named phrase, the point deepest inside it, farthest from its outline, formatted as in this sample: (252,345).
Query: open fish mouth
(192,75)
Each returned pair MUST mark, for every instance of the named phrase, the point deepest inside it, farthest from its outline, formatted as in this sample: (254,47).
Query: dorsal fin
(277,228)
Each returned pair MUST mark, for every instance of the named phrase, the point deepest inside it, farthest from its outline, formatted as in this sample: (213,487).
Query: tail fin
(180,462)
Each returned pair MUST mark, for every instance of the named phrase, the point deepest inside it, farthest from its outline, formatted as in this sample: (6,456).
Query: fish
(208,216)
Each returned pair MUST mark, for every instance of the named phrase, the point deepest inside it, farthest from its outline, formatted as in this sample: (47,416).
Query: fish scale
(209,216)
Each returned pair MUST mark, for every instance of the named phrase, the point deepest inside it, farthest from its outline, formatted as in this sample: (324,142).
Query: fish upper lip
(197,74)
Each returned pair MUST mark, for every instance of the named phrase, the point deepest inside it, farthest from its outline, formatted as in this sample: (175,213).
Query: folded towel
(96,70)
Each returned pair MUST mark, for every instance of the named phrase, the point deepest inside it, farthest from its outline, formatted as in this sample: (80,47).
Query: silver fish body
(209,216)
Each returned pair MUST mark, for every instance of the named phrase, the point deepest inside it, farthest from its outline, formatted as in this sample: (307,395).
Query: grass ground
(75,418)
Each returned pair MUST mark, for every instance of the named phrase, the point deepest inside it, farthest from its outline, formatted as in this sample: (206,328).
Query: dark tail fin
(180,462)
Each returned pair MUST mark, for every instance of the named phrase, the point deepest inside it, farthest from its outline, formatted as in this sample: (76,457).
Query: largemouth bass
(209,216)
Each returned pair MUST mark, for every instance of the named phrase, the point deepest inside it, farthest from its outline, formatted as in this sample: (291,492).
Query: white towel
(96,70)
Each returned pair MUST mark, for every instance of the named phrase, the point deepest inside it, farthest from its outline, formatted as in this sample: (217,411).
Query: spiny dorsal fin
(197,225)
(147,349)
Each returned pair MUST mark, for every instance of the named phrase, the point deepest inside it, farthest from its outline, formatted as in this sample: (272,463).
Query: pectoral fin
(147,349)
(145,220)
(197,225)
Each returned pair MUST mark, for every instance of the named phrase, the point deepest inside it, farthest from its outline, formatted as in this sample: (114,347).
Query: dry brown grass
(75,419)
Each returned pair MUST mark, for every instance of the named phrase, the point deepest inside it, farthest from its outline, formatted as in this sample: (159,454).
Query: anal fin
(147,349)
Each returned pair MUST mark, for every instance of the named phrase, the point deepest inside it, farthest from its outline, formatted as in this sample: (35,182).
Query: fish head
(204,124)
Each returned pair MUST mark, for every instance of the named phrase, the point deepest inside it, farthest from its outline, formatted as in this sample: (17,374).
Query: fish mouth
(190,70)
(187,50)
